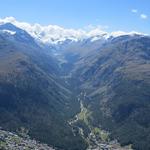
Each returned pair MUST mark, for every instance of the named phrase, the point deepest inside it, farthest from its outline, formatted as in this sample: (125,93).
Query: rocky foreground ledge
(11,141)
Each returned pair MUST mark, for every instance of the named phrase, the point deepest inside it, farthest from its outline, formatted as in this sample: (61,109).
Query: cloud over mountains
(55,33)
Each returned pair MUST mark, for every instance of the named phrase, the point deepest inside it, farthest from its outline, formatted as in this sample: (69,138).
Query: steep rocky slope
(117,85)
(31,94)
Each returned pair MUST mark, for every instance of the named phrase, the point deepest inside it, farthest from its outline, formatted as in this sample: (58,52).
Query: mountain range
(64,85)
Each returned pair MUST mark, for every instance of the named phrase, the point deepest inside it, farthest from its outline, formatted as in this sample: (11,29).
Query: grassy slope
(31,96)
(117,81)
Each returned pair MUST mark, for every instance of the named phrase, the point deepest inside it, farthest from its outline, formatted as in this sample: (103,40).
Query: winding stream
(93,142)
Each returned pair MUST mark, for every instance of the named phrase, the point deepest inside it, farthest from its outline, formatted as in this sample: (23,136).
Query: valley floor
(97,138)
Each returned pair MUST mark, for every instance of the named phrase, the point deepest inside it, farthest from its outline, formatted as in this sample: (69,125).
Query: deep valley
(76,95)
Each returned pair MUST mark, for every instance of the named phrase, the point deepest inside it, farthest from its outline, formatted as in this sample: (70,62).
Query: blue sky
(126,15)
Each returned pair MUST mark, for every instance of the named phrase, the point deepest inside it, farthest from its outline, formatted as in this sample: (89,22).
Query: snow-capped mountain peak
(53,34)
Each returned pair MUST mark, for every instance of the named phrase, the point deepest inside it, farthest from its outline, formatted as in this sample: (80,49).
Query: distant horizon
(54,33)
(109,15)
(89,28)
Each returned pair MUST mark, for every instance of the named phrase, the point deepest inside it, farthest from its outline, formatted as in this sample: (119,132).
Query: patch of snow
(9,31)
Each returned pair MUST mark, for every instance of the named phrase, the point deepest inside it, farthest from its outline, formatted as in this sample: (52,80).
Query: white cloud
(55,33)
(134,10)
(143,16)
(120,33)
